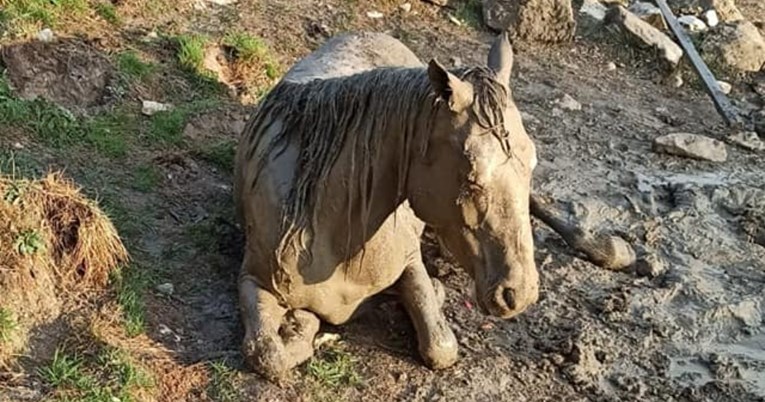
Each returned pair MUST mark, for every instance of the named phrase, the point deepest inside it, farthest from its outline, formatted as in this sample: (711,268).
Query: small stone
(406,7)
(650,266)
(46,35)
(748,311)
(374,15)
(710,16)
(569,103)
(691,146)
(150,107)
(645,34)
(725,87)
(692,23)
(456,61)
(166,288)
(18,145)
(152,35)
(748,140)
(611,66)
(325,338)
(677,81)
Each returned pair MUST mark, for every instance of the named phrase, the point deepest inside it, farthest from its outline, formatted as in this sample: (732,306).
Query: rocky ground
(684,324)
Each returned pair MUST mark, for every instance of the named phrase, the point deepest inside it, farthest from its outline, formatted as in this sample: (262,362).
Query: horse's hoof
(441,352)
(266,356)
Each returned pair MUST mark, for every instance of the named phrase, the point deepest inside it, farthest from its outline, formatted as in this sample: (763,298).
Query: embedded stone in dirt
(150,107)
(649,13)
(737,46)
(542,21)
(644,34)
(568,103)
(650,265)
(69,73)
(692,23)
(725,87)
(691,146)
(748,140)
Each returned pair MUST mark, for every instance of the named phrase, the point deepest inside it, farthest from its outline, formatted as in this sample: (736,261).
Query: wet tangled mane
(319,117)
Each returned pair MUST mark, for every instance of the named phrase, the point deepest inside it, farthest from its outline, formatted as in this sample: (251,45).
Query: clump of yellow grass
(56,246)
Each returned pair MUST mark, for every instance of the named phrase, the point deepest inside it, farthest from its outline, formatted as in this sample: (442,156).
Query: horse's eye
(474,205)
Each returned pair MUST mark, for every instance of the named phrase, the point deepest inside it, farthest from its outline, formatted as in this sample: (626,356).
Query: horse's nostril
(509,296)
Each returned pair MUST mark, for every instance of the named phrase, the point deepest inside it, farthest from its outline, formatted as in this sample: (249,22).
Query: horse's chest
(333,287)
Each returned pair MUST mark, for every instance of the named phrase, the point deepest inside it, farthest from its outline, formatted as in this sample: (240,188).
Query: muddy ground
(692,333)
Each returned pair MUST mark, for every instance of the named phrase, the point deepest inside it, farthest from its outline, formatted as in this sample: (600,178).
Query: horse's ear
(457,93)
(501,58)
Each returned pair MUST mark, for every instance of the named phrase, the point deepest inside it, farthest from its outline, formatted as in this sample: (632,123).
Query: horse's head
(473,183)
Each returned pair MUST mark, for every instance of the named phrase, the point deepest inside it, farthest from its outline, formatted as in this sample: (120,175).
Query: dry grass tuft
(55,245)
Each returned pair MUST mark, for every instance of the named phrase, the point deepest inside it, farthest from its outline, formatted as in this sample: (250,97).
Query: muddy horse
(339,169)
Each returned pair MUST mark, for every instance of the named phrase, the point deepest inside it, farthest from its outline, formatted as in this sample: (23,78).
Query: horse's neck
(374,201)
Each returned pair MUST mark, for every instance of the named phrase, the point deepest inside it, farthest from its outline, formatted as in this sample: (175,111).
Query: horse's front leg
(276,339)
(423,301)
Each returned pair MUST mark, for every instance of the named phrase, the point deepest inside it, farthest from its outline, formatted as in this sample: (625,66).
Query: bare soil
(694,332)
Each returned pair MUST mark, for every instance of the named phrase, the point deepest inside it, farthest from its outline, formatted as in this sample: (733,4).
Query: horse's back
(352,53)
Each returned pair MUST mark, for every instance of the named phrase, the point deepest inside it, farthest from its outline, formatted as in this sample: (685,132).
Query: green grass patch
(108,133)
(109,376)
(469,12)
(132,66)
(146,178)
(8,325)
(220,154)
(333,368)
(19,164)
(167,127)
(131,283)
(26,16)
(223,383)
(28,242)
(191,53)
(108,12)
(58,128)
(246,47)
(65,370)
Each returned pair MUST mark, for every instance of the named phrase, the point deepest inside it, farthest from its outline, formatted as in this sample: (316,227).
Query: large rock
(736,46)
(68,72)
(691,146)
(541,21)
(649,13)
(645,34)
